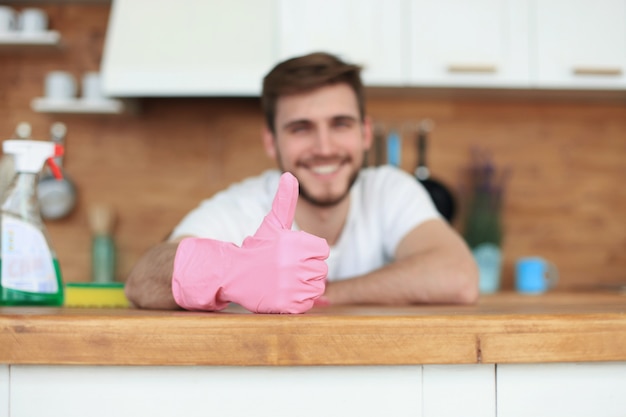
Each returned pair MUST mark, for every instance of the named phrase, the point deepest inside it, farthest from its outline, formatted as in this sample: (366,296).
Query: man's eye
(343,123)
(299,129)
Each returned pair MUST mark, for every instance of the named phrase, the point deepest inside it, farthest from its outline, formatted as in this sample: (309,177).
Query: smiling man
(320,230)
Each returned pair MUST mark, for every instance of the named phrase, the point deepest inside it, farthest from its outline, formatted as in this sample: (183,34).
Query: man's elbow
(467,291)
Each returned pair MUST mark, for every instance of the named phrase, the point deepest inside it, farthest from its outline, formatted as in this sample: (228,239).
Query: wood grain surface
(502,328)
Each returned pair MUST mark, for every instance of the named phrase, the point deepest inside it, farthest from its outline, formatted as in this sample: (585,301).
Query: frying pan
(57,198)
(439,193)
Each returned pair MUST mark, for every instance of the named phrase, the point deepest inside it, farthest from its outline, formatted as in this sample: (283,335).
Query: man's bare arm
(149,284)
(433,265)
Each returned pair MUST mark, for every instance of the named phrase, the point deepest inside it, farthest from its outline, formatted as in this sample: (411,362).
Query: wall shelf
(79,106)
(20,40)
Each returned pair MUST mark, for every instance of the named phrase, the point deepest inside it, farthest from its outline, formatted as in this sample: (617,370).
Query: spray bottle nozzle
(30,155)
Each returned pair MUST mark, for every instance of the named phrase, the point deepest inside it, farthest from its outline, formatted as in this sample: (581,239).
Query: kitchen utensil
(32,20)
(379,145)
(60,85)
(394,149)
(535,275)
(441,196)
(57,198)
(8,19)
(91,87)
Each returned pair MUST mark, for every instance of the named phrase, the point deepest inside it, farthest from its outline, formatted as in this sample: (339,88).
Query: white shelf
(104,106)
(48,38)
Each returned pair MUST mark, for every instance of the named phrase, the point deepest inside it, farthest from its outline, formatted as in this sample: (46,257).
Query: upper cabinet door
(188,48)
(478,43)
(579,44)
(365,32)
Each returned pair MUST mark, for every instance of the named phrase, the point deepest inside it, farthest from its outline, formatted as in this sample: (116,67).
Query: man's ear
(269,142)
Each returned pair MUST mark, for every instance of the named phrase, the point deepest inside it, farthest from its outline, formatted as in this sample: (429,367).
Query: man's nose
(323,141)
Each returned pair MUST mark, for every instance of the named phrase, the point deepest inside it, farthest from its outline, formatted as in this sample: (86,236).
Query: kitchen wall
(565,199)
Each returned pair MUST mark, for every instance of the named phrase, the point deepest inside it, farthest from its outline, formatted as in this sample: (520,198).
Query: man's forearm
(407,282)
(434,266)
(149,284)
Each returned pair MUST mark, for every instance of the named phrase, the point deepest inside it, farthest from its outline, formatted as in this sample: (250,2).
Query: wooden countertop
(502,328)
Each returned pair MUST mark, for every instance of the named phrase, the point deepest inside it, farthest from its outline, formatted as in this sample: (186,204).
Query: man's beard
(328,202)
(320,202)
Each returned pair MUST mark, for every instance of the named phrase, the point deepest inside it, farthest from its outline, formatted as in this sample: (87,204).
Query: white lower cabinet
(459,390)
(562,389)
(73,391)
(538,390)
(4,390)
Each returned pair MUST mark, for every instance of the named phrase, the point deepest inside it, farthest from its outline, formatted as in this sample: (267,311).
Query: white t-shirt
(385,204)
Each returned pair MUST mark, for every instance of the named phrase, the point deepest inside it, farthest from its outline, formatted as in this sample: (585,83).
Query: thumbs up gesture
(276,270)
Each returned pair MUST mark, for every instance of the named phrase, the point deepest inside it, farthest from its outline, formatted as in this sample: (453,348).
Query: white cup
(60,85)
(91,86)
(32,20)
(8,19)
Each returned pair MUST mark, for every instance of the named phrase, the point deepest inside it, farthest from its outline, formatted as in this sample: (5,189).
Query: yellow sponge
(90,295)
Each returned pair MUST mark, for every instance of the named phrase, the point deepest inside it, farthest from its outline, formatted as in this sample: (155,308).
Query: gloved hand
(275,271)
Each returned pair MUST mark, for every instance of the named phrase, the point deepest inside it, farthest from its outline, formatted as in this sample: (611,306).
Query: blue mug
(535,275)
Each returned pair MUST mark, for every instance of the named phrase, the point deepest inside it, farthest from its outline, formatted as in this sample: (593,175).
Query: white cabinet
(562,389)
(365,32)
(127,391)
(579,44)
(479,43)
(213,48)
(188,48)
(4,390)
(459,390)
(483,390)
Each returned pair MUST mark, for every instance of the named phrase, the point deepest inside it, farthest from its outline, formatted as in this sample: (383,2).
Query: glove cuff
(197,279)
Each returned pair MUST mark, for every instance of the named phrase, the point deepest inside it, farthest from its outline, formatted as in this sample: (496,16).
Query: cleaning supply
(101,219)
(95,295)
(7,165)
(29,270)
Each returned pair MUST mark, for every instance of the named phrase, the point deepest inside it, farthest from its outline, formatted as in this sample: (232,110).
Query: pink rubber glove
(275,271)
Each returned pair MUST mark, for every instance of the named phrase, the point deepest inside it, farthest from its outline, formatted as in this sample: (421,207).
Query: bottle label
(27,263)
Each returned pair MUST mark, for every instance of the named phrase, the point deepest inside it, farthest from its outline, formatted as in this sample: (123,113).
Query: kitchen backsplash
(565,199)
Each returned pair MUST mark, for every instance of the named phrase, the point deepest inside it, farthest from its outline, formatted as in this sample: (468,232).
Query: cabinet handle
(470,68)
(611,72)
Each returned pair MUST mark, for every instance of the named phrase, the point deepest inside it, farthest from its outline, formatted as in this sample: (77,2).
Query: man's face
(320,138)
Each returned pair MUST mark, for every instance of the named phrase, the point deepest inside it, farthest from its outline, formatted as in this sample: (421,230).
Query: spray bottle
(29,270)
(7,166)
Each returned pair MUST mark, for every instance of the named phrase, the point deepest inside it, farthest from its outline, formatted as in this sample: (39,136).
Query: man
(360,236)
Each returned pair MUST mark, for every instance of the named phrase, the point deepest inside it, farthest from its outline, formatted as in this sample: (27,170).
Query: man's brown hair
(306,73)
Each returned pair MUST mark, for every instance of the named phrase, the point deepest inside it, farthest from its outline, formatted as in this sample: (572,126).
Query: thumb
(284,205)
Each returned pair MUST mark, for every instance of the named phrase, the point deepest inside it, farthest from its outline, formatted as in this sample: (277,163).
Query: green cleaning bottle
(101,219)
(29,269)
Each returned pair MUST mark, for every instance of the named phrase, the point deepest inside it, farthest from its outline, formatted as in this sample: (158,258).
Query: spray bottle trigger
(56,171)
(59,150)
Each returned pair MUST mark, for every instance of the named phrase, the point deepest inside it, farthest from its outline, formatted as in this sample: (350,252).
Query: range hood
(185,48)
